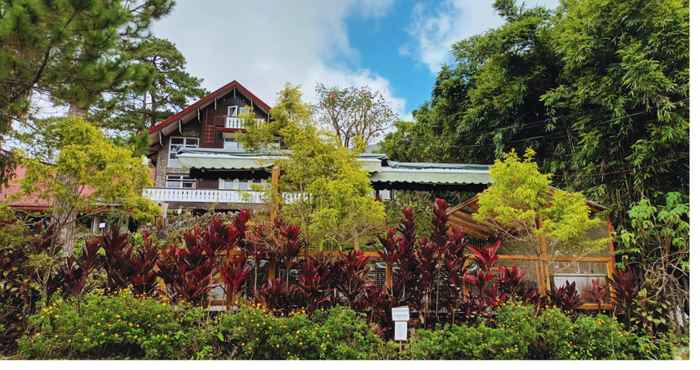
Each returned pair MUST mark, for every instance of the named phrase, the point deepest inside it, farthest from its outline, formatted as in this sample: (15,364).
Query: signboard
(400,313)
(400,330)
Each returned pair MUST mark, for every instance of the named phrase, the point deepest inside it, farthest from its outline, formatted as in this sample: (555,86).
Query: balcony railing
(165,195)
(236,122)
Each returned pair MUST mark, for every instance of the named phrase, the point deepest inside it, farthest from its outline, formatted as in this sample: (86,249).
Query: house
(200,165)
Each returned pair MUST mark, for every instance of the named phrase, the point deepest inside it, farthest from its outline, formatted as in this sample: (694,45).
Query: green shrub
(338,333)
(603,337)
(344,334)
(554,336)
(253,334)
(112,327)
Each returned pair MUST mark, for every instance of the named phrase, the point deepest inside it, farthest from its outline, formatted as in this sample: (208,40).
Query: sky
(394,46)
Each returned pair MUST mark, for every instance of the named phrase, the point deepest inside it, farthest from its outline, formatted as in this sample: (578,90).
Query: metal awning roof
(389,174)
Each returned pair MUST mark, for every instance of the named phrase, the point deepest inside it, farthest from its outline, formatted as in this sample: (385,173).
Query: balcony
(238,123)
(172,195)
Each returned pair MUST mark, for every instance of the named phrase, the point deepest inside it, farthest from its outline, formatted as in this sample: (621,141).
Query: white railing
(164,195)
(236,122)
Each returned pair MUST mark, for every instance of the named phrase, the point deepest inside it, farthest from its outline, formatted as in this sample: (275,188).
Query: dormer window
(232,111)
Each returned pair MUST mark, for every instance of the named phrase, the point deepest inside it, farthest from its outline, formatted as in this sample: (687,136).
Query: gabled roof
(208,99)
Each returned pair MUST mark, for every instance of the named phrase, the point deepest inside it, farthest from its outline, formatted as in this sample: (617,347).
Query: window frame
(172,162)
(181,179)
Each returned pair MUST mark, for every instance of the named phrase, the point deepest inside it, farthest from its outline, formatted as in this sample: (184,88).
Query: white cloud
(435,29)
(265,44)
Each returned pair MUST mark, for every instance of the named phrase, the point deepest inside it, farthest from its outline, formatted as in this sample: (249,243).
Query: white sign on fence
(400,316)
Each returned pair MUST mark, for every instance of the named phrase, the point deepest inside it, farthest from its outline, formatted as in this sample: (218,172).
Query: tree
(138,105)
(598,88)
(70,50)
(87,173)
(356,115)
(624,89)
(522,205)
(336,209)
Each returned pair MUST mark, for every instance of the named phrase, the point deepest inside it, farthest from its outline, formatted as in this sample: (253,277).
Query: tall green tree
(140,104)
(87,173)
(598,88)
(71,51)
(336,209)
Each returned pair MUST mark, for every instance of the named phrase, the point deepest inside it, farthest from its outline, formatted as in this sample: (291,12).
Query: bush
(554,336)
(517,333)
(112,327)
(344,334)
(252,333)
(603,337)
(509,340)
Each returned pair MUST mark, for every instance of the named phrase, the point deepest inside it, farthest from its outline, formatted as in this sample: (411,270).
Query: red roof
(25,201)
(208,99)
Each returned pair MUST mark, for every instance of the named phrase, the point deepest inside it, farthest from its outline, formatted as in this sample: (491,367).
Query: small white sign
(400,330)
(102,225)
(400,313)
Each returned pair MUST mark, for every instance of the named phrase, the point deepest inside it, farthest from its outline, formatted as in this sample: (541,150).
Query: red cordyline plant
(279,297)
(597,293)
(258,247)
(73,274)
(566,297)
(234,271)
(143,262)
(351,274)
(454,261)
(117,259)
(484,292)
(626,284)
(187,271)
(313,282)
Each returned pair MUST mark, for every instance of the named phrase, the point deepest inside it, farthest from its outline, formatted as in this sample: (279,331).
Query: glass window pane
(176,140)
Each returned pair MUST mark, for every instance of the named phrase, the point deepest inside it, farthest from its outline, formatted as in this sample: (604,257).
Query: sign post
(400,316)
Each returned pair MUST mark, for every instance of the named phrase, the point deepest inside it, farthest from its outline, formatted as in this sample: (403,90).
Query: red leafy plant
(566,297)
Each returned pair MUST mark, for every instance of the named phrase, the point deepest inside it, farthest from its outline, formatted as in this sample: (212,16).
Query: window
(236,184)
(177,143)
(180,182)
(232,145)
(232,111)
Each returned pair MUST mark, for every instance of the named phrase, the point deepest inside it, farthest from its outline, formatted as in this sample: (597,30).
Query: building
(199,164)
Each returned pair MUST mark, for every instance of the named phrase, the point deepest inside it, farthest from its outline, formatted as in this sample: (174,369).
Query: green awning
(385,173)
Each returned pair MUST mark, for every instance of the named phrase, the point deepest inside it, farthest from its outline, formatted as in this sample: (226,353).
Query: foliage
(517,333)
(522,205)
(566,297)
(598,88)
(168,88)
(112,327)
(88,171)
(16,288)
(337,210)
(658,241)
(355,114)
(126,265)
(54,47)
(251,333)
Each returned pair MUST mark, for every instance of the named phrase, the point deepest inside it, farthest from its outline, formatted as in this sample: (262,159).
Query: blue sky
(394,46)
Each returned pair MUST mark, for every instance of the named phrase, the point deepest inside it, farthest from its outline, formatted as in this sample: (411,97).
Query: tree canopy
(88,173)
(598,88)
(337,209)
(523,205)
